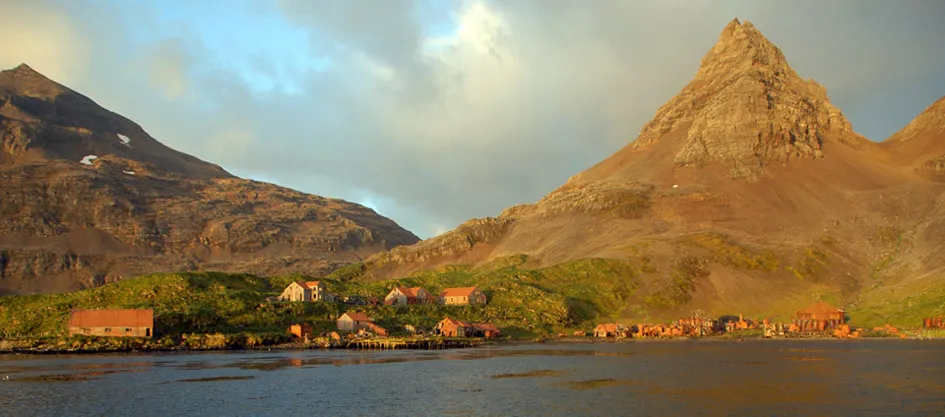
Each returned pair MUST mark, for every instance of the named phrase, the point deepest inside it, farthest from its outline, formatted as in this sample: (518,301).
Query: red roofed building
(401,296)
(463,296)
(352,321)
(135,323)
(611,330)
(374,328)
(487,330)
(453,328)
(301,331)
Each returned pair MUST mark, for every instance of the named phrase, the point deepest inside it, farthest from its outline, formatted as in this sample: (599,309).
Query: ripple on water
(72,377)
(217,378)
(531,374)
(599,383)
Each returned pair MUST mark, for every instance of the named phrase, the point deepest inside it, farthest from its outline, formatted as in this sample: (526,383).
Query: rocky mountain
(748,191)
(921,144)
(89,197)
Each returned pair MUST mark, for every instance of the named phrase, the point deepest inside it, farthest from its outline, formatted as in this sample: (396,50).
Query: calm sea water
(763,377)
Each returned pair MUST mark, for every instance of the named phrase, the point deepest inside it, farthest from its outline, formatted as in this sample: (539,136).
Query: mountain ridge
(89,198)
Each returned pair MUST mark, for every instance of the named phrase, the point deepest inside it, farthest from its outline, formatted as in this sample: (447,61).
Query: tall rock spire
(746,106)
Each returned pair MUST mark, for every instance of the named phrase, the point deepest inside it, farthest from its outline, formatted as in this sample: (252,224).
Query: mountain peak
(25,71)
(932,119)
(742,49)
(22,68)
(24,80)
(744,107)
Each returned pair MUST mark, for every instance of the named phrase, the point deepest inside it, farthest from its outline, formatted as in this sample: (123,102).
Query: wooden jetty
(422,344)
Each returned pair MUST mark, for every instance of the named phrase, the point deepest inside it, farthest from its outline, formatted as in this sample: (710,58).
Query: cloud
(166,64)
(433,112)
(44,37)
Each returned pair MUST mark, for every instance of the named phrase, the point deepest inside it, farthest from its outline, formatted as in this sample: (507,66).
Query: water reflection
(676,378)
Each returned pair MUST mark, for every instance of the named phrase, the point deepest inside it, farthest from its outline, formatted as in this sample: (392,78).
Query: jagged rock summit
(744,109)
(88,197)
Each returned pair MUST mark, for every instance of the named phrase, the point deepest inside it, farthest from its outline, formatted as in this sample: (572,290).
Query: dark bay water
(856,378)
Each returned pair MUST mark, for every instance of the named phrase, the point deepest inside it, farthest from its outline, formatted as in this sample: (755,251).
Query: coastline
(129,345)
(142,346)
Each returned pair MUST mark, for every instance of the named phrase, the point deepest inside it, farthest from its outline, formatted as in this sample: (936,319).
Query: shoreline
(418,344)
(364,344)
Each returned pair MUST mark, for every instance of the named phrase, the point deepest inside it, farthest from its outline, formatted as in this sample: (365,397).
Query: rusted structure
(352,321)
(605,330)
(487,330)
(933,323)
(740,324)
(843,331)
(116,323)
(823,312)
(371,327)
(301,330)
(818,318)
(449,327)
(463,296)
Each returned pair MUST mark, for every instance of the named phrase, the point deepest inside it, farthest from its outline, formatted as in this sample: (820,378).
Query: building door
(147,332)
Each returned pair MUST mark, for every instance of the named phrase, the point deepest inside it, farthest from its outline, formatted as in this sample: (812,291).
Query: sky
(432,112)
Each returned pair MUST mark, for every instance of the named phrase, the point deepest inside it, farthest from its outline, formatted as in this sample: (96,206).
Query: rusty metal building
(818,318)
(117,323)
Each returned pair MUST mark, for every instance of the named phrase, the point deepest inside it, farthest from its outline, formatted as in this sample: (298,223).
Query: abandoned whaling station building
(310,291)
(819,317)
(463,296)
(135,323)
(402,296)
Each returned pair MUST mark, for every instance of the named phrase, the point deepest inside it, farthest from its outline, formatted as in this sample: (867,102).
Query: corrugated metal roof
(111,318)
(358,316)
(820,307)
(458,292)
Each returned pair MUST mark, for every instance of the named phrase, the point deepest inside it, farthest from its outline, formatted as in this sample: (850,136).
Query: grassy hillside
(522,301)
(900,303)
(184,302)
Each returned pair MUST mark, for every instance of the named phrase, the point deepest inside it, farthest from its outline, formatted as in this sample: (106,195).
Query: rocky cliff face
(88,197)
(745,108)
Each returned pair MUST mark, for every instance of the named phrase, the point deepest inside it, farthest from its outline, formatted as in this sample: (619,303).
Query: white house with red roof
(309,291)
(401,296)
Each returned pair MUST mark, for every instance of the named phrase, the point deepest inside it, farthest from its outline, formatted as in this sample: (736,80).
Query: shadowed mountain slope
(89,197)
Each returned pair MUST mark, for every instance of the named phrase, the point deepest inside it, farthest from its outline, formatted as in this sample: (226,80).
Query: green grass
(214,309)
(902,306)
(202,302)
(725,251)
(523,302)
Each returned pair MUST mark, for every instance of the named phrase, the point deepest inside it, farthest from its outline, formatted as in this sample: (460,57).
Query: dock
(422,344)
